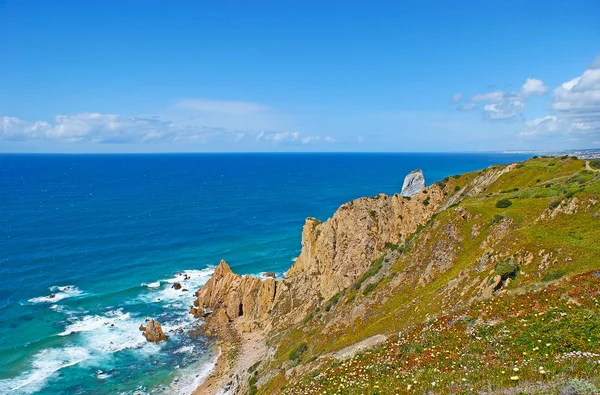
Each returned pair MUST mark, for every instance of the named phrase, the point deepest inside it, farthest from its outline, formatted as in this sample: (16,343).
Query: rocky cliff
(385,267)
(245,297)
(334,254)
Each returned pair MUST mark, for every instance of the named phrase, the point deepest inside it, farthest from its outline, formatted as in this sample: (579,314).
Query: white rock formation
(413,183)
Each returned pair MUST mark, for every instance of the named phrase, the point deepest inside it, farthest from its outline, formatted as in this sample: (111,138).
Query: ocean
(90,246)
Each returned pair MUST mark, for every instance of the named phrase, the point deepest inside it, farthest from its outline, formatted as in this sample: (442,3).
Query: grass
(568,243)
(297,352)
(375,267)
(507,269)
(549,336)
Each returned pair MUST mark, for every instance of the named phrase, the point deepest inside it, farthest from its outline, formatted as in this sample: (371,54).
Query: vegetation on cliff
(478,296)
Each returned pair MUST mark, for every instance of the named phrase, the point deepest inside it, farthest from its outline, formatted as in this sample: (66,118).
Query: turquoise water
(107,235)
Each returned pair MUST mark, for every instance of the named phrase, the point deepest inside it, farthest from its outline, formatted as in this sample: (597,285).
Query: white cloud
(457,97)
(542,126)
(278,138)
(117,129)
(494,97)
(233,108)
(533,87)
(467,107)
(96,128)
(575,108)
(498,105)
(506,109)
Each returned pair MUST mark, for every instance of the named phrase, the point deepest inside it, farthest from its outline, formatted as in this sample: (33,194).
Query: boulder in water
(153,332)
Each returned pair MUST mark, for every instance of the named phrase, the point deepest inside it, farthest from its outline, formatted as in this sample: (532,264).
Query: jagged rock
(337,252)
(413,183)
(248,297)
(51,296)
(334,254)
(270,274)
(176,286)
(153,332)
(197,312)
(222,317)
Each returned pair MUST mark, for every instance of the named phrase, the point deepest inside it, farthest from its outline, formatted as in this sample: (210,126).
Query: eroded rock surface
(413,183)
(334,254)
(153,331)
(247,297)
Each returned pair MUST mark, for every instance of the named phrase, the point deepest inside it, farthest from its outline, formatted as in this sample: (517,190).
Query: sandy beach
(238,352)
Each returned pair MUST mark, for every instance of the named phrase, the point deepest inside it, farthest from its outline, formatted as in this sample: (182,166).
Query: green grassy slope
(481,267)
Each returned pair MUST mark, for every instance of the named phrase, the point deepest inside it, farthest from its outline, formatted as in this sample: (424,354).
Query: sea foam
(58,293)
(45,364)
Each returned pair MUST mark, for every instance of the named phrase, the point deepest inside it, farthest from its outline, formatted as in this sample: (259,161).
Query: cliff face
(386,265)
(334,254)
(245,297)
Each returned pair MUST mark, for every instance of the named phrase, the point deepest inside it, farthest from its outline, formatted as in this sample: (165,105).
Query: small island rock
(153,332)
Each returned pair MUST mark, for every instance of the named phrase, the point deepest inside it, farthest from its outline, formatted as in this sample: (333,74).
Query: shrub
(297,352)
(456,177)
(254,367)
(373,214)
(371,271)
(335,298)
(554,204)
(392,246)
(426,201)
(308,318)
(595,163)
(369,288)
(497,218)
(503,203)
(252,389)
(507,269)
(554,275)
(579,387)
(457,188)
(569,194)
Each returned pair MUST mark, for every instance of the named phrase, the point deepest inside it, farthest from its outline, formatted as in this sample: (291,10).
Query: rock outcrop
(334,254)
(153,331)
(413,183)
(245,297)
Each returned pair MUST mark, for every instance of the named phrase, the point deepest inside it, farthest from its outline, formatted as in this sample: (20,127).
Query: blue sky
(156,76)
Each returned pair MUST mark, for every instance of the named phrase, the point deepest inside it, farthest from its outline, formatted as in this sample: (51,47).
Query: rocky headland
(370,253)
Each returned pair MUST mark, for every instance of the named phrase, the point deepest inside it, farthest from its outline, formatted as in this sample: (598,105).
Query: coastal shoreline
(238,351)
